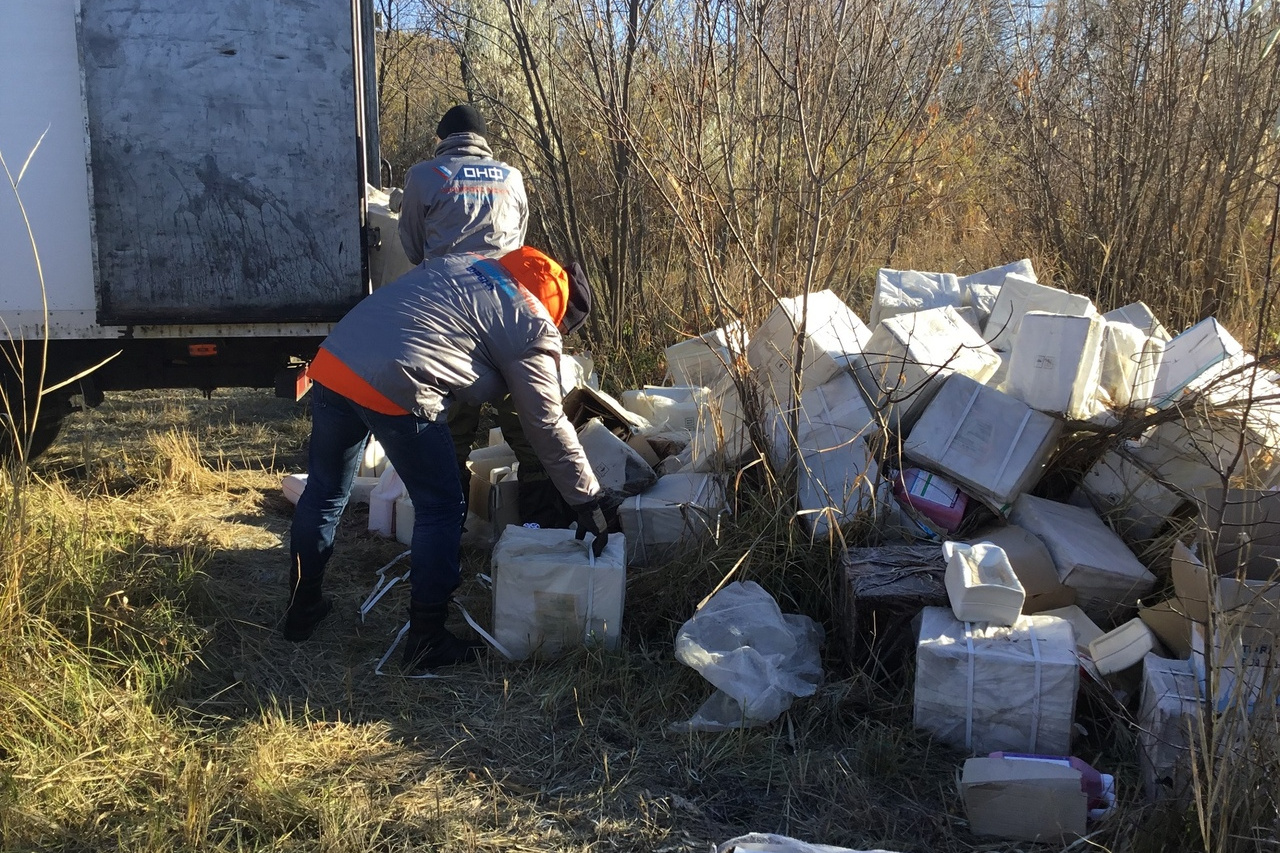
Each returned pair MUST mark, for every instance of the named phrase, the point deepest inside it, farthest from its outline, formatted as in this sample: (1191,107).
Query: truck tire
(53,412)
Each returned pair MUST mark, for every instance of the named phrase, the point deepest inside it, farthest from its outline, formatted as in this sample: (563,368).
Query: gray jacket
(459,329)
(462,200)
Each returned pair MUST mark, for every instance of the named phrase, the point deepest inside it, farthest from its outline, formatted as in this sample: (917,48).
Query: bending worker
(458,330)
(463,200)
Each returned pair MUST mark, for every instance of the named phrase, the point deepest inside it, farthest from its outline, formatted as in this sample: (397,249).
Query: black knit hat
(463,118)
(575,314)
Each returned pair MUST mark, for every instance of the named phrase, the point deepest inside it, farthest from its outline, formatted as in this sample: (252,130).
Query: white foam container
(990,443)
(1089,556)
(1020,295)
(981,584)
(834,335)
(909,291)
(675,408)
(1122,647)
(404,520)
(1055,363)
(550,594)
(382,503)
(909,356)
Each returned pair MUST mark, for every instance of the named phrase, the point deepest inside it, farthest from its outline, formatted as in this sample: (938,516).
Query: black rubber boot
(307,607)
(428,644)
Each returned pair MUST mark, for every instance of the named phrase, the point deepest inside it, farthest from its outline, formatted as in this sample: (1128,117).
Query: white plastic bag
(757,657)
(762,842)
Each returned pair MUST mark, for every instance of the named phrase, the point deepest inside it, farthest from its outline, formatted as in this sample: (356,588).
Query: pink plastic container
(934,497)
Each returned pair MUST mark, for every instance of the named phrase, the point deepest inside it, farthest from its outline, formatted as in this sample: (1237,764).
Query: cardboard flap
(583,403)
(1171,624)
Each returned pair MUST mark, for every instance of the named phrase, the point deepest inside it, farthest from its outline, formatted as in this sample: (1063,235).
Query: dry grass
(148,703)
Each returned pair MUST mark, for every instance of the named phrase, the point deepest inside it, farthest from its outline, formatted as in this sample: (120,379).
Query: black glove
(591,520)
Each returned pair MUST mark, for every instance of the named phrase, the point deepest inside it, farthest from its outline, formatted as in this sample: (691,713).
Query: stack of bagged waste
(946,421)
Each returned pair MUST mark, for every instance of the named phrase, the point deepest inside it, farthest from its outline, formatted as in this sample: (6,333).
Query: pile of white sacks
(937,421)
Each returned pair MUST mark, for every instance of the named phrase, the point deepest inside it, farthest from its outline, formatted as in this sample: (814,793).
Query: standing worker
(457,330)
(463,200)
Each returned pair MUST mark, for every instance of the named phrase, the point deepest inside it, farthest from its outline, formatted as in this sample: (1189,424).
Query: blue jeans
(422,453)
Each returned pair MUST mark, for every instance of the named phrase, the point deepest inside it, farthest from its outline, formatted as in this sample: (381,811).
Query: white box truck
(190,204)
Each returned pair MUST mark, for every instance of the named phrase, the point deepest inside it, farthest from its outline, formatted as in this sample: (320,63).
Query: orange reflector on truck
(202,349)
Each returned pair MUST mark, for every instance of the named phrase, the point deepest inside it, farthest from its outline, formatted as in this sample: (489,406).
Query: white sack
(1020,295)
(984,688)
(834,335)
(908,357)
(907,291)
(551,594)
(762,842)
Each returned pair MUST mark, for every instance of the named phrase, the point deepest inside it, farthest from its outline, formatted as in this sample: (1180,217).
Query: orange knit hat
(541,276)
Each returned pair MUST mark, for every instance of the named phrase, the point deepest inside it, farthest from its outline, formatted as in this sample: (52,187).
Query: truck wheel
(53,412)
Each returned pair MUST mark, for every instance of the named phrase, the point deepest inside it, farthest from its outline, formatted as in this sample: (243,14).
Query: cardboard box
(901,292)
(1019,295)
(1194,360)
(1241,528)
(583,403)
(617,465)
(1024,800)
(1056,364)
(704,360)
(1034,567)
(1169,621)
(1130,363)
(676,513)
(1167,726)
(1141,317)
(1135,503)
(1090,558)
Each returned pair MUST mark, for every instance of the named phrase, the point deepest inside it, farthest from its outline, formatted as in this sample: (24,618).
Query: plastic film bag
(758,658)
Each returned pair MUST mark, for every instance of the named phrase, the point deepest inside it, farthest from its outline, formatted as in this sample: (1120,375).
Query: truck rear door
(227,157)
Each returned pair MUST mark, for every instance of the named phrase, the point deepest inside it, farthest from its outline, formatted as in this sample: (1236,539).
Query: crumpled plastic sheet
(761,842)
(757,657)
